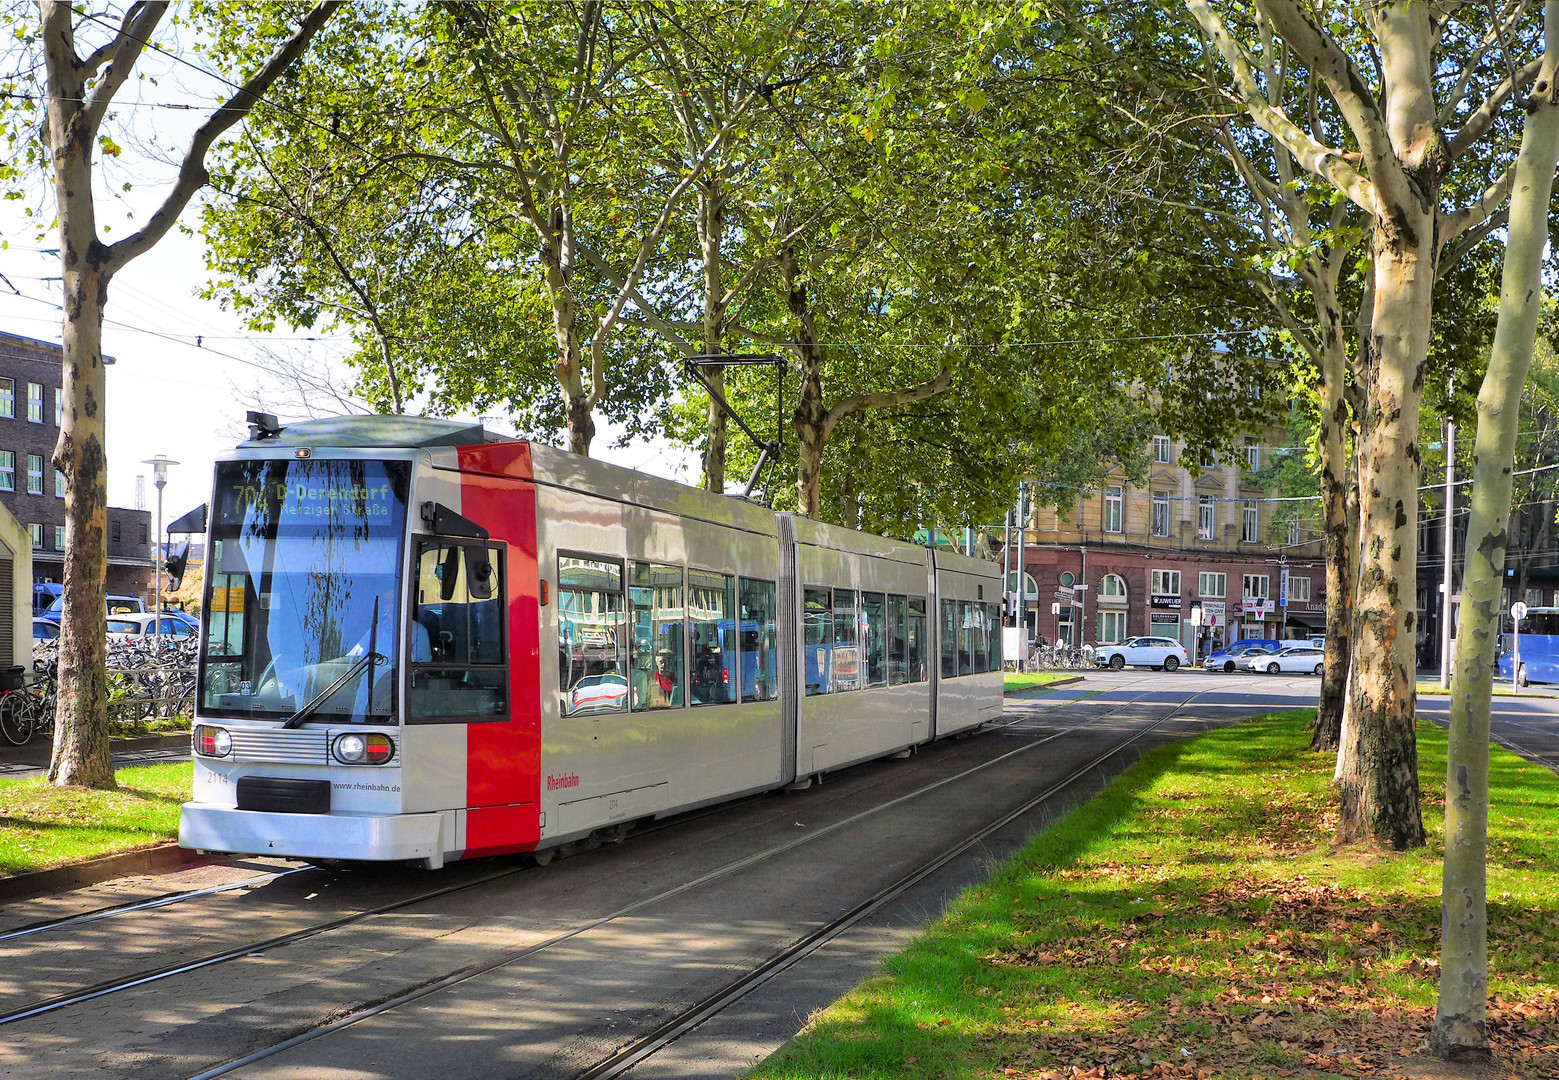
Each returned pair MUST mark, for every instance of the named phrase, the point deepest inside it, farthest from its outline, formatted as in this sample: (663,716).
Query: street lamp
(159,466)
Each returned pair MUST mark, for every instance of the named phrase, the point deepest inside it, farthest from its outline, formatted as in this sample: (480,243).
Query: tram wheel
(542,858)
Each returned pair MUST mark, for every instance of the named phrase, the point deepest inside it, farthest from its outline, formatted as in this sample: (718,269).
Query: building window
(1206,518)
(1161,449)
(1251,521)
(1208,584)
(1209,459)
(1534,598)
(35,403)
(1112,587)
(59,405)
(1068,579)
(35,474)
(59,538)
(59,484)
(1256,586)
(1293,533)
(1113,497)
(35,530)
(116,531)
(7,471)
(1253,390)
(146,533)
(1112,627)
(1160,514)
(1299,590)
(1165,582)
(1252,455)
(7,397)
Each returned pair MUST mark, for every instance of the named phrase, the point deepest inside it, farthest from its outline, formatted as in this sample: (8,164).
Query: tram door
(458,669)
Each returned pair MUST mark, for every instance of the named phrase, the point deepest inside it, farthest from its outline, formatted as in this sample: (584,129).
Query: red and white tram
(425,643)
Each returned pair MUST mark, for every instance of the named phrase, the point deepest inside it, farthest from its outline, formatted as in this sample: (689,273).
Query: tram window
(818,640)
(993,624)
(711,601)
(966,634)
(874,612)
(659,671)
(760,651)
(592,667)
(979,635)
(915,639)
(949,639)
(898,640)
(847,652)
(457,650)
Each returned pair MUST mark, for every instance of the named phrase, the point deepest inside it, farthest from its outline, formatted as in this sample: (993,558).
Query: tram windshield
(302,585)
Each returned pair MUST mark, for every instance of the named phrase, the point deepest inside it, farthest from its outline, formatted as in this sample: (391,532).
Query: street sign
(1518,611)
(1055,609)
(1283,585)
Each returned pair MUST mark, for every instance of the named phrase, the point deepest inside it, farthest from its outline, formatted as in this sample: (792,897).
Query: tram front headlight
(372,749)
(212,741)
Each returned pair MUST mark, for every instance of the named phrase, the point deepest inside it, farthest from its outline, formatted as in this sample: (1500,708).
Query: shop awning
(1310,620)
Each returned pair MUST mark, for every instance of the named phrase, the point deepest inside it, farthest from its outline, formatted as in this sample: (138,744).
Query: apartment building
(1125,559)
(32,400)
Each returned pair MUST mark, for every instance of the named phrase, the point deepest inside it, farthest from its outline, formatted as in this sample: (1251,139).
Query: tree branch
(121,53)
(1315,157)
(192,173)
(1480,209)
(859,403)
(1483,118)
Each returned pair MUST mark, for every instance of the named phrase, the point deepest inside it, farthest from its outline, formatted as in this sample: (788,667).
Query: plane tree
(59,108)
(1415,153)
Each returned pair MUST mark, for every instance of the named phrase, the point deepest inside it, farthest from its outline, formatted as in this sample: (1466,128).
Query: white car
(142,625)
(1153,652)
(1305,659)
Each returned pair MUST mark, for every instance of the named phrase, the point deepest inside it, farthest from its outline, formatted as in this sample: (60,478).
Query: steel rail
(505,959)
(674,1028)
(164,900)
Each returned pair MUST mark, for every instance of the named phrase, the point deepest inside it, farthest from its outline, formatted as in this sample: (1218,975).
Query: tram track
(668,1031)
(145,977)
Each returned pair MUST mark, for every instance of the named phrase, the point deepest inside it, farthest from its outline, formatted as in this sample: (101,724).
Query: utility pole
(1445,587)
(1023,597)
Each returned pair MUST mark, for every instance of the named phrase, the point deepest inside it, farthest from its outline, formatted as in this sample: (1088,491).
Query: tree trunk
(81,753)
(570,364)
(711,236)
(1338,538)
(810,417)
(1459,1032)
(1378,771)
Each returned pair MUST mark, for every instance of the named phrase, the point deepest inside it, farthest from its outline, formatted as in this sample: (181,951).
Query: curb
(155,858)
(1034,691)
(38,752)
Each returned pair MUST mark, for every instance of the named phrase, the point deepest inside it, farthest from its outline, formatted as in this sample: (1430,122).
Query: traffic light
(176,562)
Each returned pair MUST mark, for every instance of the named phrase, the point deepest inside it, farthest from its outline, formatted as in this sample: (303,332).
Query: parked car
(607,692)
(113,605)
(45,593)
(1232,657)
(1153,652)
(44,630)
(1304,657)
(122,627)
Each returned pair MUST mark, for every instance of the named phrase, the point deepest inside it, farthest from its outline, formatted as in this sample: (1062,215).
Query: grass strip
(1194,921)
(1025,680)
(43,826)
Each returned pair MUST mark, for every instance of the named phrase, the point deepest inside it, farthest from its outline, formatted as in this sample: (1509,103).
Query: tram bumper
(348,836)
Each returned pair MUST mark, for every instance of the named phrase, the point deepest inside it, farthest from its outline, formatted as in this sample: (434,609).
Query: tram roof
(378,431)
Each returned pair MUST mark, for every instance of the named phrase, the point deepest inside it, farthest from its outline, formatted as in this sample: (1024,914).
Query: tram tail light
(372,749)
(212,741)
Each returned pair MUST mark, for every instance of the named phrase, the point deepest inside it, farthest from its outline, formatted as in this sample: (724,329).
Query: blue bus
(1539,648)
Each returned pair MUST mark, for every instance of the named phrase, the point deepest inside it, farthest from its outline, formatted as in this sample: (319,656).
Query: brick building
(1126,560)
(31,402)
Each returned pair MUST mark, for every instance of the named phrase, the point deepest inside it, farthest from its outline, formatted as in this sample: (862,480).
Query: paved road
(774,868)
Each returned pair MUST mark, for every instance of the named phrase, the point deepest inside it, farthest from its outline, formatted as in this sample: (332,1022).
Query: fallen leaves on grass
(1282,981)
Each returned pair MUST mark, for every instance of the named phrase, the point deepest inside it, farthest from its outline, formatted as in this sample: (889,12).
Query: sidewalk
(21,762)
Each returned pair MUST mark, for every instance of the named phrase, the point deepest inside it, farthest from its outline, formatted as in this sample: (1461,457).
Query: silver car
(1300,659)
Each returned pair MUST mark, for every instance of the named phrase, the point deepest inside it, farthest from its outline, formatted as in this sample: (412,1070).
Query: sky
(184,370)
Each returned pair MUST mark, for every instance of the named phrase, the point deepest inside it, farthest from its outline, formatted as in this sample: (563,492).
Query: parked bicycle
(27,709)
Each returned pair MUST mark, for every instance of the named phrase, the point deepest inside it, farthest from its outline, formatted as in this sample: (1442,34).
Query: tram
(423,642)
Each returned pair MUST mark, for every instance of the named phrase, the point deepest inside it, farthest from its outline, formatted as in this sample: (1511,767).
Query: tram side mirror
(448,571)
(176,563)
(479,572)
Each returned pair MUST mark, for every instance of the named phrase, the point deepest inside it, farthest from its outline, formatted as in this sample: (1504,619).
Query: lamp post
(159,466)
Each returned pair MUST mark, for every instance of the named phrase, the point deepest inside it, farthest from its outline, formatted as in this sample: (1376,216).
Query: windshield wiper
(370,659)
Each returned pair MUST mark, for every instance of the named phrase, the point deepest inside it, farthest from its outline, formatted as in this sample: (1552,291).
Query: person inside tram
(658,689)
